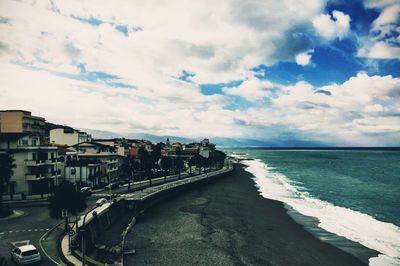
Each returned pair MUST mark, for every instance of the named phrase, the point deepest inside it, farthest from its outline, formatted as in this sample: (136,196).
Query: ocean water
(353,193)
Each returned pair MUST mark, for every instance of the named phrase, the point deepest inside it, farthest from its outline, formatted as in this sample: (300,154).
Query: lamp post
(82,231)
(109,183)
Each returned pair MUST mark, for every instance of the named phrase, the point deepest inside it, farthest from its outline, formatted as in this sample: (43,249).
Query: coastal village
(45,154)
(95,186)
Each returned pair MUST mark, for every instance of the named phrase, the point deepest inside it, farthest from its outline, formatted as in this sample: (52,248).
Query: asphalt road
(29,228)
(36,221)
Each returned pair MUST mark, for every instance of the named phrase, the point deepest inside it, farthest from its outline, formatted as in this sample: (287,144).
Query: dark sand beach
(227,222)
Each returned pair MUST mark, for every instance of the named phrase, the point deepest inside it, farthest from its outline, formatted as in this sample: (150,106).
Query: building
(96,152)
(206,148)
(84,172)
(37,168)
(68,136)
(20,121)
(120,145)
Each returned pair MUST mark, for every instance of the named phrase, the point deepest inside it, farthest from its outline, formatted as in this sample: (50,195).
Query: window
(34,142)
(34,156)
(30,252)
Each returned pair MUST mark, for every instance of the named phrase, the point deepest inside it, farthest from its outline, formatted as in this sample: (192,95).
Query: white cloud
(383,41)
(251,89)
(337,26)
(47,45)
(356,110)
(380,50)
(304,59)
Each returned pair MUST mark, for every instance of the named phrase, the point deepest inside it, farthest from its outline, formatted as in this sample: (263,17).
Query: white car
(25,254)
(101,202)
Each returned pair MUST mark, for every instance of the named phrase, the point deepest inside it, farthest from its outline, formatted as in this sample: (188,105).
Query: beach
(227,222)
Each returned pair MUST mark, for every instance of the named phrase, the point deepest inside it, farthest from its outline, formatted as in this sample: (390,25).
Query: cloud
(304,59)
(358,110)
(380,50)
(251,89)
(135,66)
(383,41)
(331,27)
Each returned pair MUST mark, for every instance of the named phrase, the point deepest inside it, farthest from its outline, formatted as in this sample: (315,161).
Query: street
(29,227)
(36,221)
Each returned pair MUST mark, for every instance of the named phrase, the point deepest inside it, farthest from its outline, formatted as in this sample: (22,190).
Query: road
(29,227)
(36,222)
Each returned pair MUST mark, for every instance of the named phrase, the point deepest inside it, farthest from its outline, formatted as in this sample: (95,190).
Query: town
(42,155)
(51,173)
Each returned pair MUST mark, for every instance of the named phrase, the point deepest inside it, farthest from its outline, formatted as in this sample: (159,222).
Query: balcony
(34,162)
(110,170)
(53,174)
(111,161)
(51,161)
(33,177)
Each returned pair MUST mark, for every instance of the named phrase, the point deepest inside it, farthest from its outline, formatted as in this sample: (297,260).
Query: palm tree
(6,172)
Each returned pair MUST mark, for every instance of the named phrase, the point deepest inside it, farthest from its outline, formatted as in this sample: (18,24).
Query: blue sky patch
(185,76)
(92,21)
(210,89)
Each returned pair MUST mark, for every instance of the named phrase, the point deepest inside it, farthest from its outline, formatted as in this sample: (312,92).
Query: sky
(308,70)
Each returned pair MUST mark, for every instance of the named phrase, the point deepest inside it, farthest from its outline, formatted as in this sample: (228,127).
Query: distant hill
(221,142)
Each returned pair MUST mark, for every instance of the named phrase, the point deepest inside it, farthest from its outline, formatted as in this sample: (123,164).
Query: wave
(356,226)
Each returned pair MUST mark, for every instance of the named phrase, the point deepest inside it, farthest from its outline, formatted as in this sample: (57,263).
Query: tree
(145,163)
(66,197)
(179,162)
(129,167)
(156,155)
(219,157)
(203,161)
(166,163)
(192,162)
(6,172)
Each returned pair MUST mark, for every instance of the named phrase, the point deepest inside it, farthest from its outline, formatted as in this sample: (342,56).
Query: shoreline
(228,223)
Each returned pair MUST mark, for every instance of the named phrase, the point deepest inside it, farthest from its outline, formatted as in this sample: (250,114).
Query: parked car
(100,202)
(87,191)
(25,254)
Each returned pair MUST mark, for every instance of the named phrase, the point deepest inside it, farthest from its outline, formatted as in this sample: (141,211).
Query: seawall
(107,226)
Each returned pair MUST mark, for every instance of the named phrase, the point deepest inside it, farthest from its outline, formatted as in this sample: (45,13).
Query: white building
(94,151)
(68,136)
(37,168)
(85,173)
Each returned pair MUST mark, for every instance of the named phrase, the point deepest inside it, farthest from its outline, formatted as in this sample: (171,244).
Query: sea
(350,193)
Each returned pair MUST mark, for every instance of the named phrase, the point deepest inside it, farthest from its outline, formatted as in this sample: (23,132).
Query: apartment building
(20,121)
(37,168)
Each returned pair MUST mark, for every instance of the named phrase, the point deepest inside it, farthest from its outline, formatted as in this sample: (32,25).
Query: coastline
(227,223)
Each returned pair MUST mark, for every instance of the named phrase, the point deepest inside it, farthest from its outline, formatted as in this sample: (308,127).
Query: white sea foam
(380,236)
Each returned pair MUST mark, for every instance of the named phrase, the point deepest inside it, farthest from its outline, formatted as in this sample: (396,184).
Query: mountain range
(219,141)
